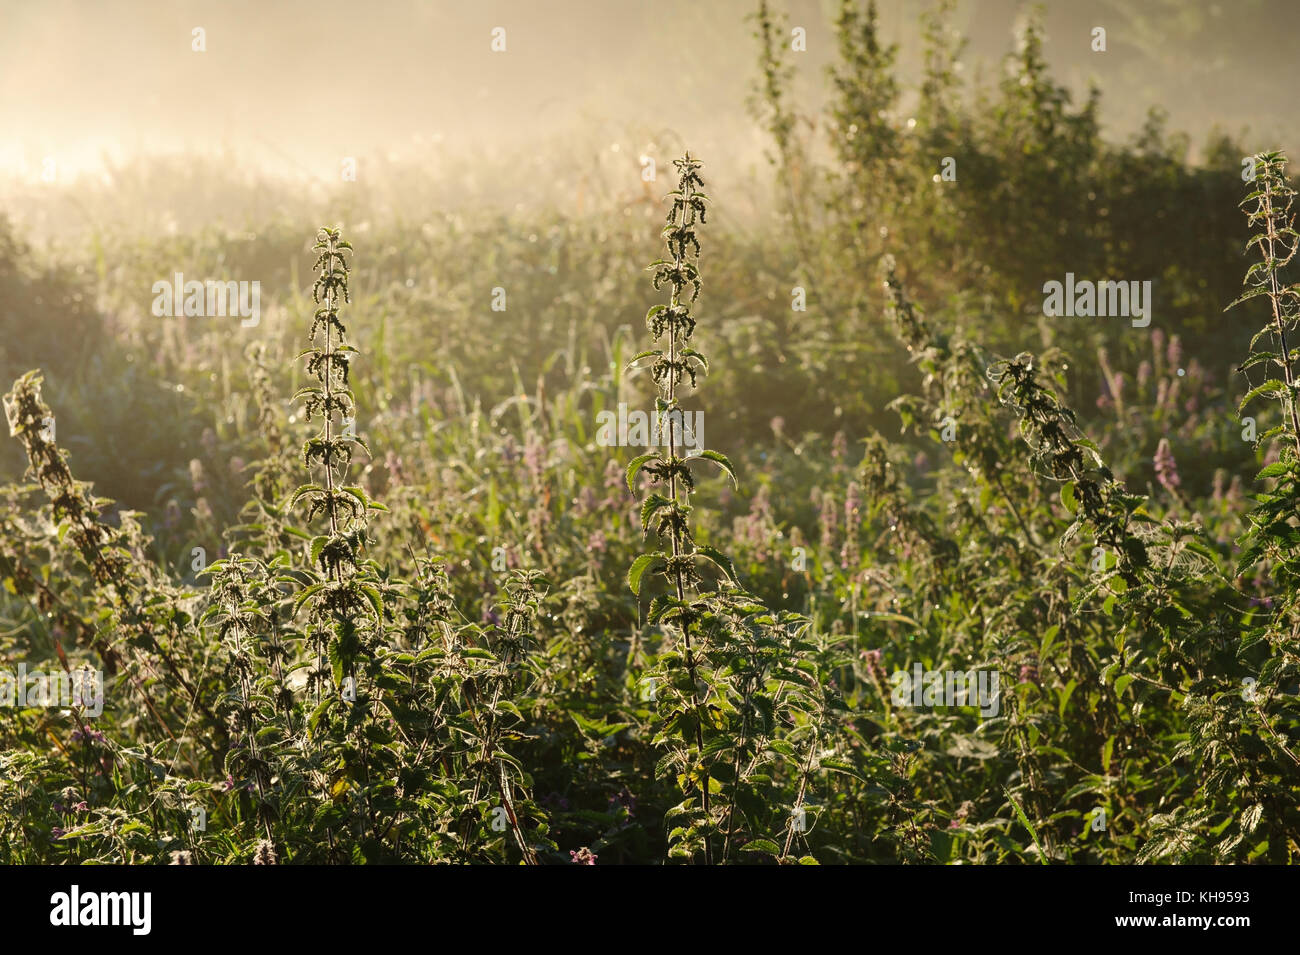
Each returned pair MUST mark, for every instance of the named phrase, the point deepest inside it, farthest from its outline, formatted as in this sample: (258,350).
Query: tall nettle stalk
(501,668)
(672,325)
(240,599)
(1272,540)
(346,610)
(1268,211)
(341,595)
(145,629)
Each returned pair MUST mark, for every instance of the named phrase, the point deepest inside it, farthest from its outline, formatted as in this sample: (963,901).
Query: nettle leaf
(360,494)
(1246,297)
(1273,388)
(718,558)
(652,503)
(638,569)
(633,469)
(692,353)
(720,459)
(372,595)
(304,490)
(1258,358)
(336,661)
(306,594)
(648,353)
(1024,821)
(665,608)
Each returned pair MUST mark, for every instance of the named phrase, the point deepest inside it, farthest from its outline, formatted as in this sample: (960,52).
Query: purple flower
(963,812)
(753,528)
(623,798)
(538,518)
(585,502)
(583,856)
(535,457)
(1157,342)
(849,556)
(1166,467)
(613,475)
(1174,355)
(555,800)
(839,448)
(872,658)
(852,503)
(828,519)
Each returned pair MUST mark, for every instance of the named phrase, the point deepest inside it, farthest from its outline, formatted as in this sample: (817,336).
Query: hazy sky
(296,85)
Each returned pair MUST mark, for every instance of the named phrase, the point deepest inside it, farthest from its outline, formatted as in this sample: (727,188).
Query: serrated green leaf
(720,459)
(634,468)
(637,571)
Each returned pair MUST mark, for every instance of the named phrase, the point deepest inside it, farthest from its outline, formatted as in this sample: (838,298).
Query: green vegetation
(457,627)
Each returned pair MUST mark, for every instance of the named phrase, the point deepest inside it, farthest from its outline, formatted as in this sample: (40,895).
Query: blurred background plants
(504,665)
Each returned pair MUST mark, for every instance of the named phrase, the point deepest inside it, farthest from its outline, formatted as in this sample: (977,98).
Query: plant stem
(678,262)
(1279,325)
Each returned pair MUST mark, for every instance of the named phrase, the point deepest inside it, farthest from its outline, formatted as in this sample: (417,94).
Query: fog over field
(91,85)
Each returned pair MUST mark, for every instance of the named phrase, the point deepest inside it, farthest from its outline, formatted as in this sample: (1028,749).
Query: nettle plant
(344,602)
(669,513)
(142,631)
(1121,632)
(398,724)
(1270,645)
(742,708)
(308,707)
(136,624)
